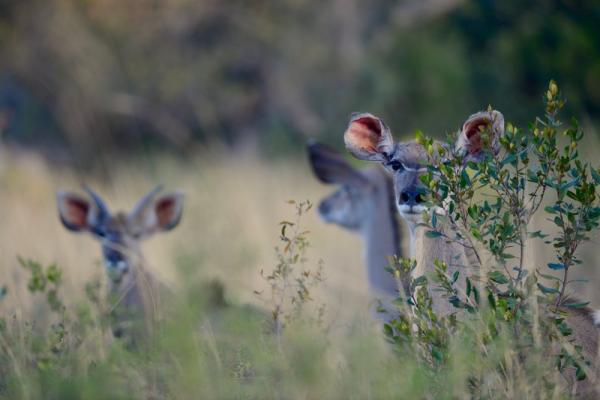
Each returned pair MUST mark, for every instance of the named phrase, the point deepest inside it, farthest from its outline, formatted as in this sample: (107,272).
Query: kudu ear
(368,138)
(471,143)
(155,213)
(330,167)
(78,213)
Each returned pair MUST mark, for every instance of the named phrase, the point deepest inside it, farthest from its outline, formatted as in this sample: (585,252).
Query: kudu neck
(381,237)
(130,280)
(426,250)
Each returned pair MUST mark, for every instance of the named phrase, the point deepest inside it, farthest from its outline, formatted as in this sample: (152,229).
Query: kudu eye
(99,231)
(396,165)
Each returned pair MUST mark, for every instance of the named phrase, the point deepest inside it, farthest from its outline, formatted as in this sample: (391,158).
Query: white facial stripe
(423,169)
(117,266)
(403,208)
(407,209)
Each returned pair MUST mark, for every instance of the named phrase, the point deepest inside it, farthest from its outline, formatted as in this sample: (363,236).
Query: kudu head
(349,205)
(120,233)
(368,138)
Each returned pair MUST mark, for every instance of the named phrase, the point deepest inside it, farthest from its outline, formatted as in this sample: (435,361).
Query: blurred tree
(518,47)
(116,74)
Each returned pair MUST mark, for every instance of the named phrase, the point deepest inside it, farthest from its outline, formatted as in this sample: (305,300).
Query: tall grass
(228,233)
(209,347)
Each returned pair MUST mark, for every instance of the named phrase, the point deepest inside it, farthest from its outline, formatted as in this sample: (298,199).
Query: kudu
(133,292)
(364,204)
(368,138)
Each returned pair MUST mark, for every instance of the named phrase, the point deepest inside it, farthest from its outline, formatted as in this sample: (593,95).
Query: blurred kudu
(363,203)
(368,138)
(133,292)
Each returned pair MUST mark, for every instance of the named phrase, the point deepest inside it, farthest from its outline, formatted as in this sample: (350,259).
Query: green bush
(513,318)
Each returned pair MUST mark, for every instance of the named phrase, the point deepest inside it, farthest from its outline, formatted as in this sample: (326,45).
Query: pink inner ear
(365,133)
(76,212)
(164,211)
(371,124)
(472,131)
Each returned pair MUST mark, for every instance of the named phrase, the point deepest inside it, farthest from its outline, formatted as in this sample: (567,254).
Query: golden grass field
(229,228)
(233,206)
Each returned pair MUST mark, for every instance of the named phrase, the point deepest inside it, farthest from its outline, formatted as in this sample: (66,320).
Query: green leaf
(473,165)
(455,301)
(558,222)
(54,274)
(455,277)
(556,266)
(580,373)
(476,234)
(537,234)
(465,181)
(565,329)
(420,281)
(550,209)
(547,290)
(532,176)
(570,184)
(436,353)
(492,300)
(577,305)
(433,234)
(476,295)
(595,176)
(510,159)
(387,329)
(498,277)
(574,196)
(472,211)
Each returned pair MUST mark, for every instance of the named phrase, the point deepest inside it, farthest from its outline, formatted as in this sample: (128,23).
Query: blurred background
(82,77)
(219,97)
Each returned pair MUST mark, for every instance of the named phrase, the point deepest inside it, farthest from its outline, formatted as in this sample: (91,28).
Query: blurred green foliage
(89,75)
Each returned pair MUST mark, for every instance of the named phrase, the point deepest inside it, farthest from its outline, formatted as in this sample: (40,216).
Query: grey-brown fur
(584,323)
(363,203)
(133,291)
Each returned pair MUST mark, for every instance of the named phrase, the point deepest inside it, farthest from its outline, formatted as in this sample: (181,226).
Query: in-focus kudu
(368,138)
(363,203)
(133,292)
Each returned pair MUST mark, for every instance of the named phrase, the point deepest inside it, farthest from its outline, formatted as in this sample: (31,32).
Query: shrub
(293,280)
(516,319)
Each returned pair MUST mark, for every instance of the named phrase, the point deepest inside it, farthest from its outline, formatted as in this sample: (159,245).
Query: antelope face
(342,208)
(407,163)
(120,233)
(368,138)
(119,246)
(347,206)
